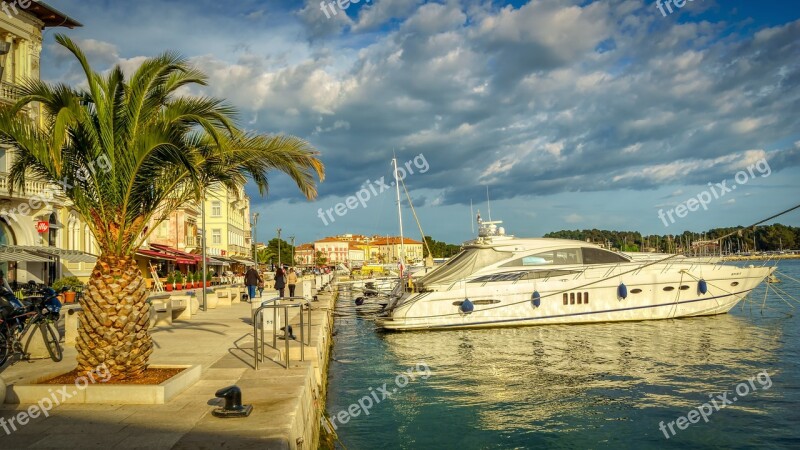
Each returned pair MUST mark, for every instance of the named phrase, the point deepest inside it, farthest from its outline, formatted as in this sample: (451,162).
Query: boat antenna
(471,215)
(488,205)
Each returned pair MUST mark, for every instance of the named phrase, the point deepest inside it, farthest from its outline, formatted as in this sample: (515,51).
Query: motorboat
(498,280)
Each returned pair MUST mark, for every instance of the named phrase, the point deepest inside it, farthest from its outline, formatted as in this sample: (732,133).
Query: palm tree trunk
(113,326)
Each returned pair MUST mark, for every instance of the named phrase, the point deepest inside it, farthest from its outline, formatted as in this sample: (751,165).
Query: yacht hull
(652,292)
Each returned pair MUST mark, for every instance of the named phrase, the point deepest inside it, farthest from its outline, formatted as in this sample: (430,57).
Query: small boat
(503,281)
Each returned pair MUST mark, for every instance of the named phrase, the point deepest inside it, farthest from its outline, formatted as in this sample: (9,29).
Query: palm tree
(265,254)
(161,150)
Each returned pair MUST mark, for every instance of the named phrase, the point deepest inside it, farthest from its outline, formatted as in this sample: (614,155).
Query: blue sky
(576,114)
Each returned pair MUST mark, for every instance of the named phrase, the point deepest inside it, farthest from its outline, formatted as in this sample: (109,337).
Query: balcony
(9,92)
(42,189)
(239,250)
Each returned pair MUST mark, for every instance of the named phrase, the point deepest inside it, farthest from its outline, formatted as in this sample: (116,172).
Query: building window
(216,208)
(163,228)
(216,236)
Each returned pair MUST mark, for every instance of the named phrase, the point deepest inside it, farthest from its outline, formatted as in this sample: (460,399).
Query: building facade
(37,223)
(228,223)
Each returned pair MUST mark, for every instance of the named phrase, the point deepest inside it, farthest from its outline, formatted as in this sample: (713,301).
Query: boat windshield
(463,265)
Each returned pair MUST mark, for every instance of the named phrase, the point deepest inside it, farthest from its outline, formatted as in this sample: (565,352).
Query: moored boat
(504,281)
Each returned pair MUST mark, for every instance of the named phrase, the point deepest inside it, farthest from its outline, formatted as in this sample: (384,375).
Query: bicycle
(17,317)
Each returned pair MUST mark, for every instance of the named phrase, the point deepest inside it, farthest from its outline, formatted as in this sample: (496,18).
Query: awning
(66,255)
(245,261)
(16,254)
(181,257)
(155,255)
(217,262)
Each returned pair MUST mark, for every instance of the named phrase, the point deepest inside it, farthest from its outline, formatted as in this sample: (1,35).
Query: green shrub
(72,283)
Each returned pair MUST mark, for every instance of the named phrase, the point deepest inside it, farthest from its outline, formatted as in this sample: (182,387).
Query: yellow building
(389,249)
(39,240)
(228,223)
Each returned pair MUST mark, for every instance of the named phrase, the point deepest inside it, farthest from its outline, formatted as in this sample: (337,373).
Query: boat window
(463,265)
(506,276)
(551,257)
(600,256)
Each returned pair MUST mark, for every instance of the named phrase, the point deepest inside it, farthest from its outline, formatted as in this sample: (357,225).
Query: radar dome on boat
(622,291)
(702,286)
(466,306)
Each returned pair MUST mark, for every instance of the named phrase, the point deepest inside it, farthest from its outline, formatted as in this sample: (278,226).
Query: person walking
(251,280)
(291,278)
(280,281)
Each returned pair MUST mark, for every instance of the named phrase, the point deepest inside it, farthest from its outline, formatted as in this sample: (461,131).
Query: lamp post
(203,236)
(292,238)
(254,237)
(279,247)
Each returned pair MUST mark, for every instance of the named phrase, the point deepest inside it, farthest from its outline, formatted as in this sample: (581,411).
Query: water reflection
(579,386)
(539,376)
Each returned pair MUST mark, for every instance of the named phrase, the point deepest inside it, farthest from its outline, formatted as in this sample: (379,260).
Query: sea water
(579,386)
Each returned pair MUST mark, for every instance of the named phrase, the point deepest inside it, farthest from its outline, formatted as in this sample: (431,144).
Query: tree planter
(168,287)
(101,393)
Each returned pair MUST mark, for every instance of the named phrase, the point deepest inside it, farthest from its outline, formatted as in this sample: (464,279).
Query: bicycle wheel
(4,347)
(51,339)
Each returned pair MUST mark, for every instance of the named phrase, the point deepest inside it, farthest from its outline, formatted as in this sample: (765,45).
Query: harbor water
(580,386)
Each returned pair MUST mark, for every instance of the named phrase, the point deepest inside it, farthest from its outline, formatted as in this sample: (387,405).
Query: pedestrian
(292,280)
(251,279)
(280,281)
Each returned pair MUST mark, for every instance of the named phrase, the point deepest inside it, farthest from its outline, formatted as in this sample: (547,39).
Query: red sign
(42,226)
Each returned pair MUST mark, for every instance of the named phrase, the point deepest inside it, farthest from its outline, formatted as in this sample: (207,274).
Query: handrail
(258,325)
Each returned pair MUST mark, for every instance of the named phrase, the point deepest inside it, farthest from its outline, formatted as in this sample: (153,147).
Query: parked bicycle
(17,317)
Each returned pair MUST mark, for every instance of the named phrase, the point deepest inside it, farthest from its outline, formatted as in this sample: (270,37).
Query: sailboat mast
(399,212)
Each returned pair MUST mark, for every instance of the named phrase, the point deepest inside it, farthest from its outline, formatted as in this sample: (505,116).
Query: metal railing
(258,327)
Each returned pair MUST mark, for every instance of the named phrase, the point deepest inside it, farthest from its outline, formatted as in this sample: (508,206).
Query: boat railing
(258,327)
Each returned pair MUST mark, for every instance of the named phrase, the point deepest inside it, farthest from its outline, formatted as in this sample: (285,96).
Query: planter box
(117,394)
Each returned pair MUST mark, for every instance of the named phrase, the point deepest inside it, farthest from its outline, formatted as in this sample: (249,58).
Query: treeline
(440,249)
(763,238)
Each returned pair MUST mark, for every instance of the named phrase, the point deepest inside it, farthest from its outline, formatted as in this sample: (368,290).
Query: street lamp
(254,237)
(279,247)
(292,238)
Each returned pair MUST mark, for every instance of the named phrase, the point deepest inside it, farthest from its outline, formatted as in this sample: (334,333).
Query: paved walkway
(286,410)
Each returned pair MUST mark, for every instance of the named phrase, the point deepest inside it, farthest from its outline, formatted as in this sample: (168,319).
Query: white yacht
(504,281)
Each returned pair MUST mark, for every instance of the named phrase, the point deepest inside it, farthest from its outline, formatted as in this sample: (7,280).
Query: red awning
(155,255)
(181,256)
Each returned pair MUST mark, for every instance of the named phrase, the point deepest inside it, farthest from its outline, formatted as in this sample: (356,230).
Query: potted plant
(208,279)
(189,280)
(170,282)
(72,284)
(178,280)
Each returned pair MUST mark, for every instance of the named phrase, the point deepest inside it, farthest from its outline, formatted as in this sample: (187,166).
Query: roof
(47,14)
(330,239)
(305,247)
(395,241)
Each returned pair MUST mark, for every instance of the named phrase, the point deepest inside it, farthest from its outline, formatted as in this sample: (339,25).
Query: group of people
(284,277)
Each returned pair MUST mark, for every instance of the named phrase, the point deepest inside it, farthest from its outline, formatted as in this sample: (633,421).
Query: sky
(571,114)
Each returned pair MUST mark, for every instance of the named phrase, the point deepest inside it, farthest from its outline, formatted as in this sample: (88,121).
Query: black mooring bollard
(233,403)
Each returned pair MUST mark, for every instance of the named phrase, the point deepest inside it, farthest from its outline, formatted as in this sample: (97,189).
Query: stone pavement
(286,402)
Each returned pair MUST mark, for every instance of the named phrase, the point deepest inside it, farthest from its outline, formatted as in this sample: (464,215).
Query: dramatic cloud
(543,99)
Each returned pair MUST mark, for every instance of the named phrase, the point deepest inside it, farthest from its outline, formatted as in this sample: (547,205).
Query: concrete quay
(287,403)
